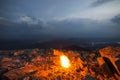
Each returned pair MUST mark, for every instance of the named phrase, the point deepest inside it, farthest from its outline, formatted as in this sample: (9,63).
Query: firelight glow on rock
(65,62)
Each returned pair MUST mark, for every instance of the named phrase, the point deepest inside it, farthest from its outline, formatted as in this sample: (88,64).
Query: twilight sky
(21,19)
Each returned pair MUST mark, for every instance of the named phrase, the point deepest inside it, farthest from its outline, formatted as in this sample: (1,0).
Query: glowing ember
(64,61)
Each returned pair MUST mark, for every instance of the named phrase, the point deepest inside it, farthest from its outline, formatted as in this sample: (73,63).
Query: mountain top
(44,64)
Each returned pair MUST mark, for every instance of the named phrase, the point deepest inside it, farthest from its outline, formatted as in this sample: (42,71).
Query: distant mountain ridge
(86,43)
(89,44)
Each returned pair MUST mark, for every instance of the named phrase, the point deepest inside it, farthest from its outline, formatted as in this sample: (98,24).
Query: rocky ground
(41,64)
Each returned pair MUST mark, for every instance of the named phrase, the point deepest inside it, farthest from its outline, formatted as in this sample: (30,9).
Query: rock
(57,52)
(2,71)
(111,56)
(34,53)
(15,74)
(88,77)
(6,59)
(4,78)
(103,65)
(7,65)
(18,53)
(30,65)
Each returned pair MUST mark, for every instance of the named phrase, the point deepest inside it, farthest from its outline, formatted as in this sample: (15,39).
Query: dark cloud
(99,2)
(80,28)
(13,29)
(116,24)
(116,19)
(27,27)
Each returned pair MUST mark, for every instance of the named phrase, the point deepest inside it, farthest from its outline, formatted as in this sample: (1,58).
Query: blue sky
(59,18)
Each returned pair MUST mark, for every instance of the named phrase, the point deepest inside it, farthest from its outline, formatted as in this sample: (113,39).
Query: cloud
(30,20)
(12,29)
(100,2)
(80,28)
(116,24)
(63,28)
(116,19)
(26,19)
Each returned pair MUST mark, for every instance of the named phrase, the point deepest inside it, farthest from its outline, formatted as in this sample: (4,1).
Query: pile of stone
(39,64)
